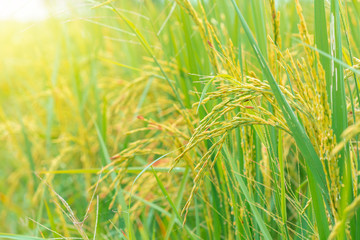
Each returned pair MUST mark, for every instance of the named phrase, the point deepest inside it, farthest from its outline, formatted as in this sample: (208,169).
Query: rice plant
(179,119)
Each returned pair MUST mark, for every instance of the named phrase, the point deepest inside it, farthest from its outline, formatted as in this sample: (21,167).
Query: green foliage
(218,119)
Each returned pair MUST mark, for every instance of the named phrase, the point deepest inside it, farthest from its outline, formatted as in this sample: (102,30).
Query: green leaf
(321,39)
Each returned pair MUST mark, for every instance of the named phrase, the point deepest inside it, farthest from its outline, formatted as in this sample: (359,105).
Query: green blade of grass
(161,210)
(120,195)
(338,104)
(119,64)
(167,18)
(282,181)
(321,39)
(143,97)
(252,204)
(203,93)
(50,104)
(178,201)
(17,236)
(28,153)
(168,199)
(355,232)
(337,87)
(97,170)
(318,206)
(258,13)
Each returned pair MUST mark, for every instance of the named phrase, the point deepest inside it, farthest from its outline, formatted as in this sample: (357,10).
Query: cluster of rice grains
(212,125)
(243,101)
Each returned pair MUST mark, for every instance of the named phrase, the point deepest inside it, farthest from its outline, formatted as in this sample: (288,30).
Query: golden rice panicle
(275,17)
(203,165)
(312,90)
(249,163)
(304,34)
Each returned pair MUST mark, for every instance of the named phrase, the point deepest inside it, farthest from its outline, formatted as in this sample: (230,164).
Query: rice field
(179,119)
